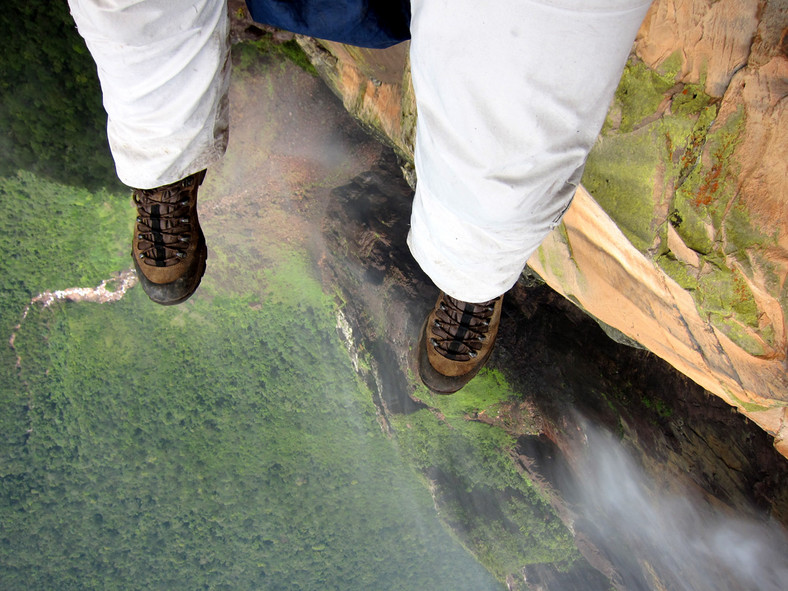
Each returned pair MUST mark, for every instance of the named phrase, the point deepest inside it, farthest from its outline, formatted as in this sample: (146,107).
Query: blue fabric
(366,23)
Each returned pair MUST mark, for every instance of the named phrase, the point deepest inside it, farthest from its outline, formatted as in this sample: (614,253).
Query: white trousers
(164,68)
(510,96)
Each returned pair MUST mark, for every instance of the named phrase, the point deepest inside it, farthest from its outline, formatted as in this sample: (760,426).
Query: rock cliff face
(679,240)
(563,367)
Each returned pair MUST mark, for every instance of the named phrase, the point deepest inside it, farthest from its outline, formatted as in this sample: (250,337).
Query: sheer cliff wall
(678,239)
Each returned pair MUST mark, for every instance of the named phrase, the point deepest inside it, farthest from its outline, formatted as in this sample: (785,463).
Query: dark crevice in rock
(564,367)
(365,228)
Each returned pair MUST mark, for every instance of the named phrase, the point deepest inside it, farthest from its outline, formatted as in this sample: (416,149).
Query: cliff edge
(678,240)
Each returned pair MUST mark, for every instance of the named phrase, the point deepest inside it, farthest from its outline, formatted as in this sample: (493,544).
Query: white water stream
(660,540)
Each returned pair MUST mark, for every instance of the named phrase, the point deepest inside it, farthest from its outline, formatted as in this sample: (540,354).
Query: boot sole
(152,289)
(437,382)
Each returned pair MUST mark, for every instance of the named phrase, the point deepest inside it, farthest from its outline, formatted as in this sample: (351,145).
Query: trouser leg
(164,70)
(510,96)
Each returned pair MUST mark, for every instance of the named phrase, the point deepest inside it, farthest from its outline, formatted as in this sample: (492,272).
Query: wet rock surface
(385,292)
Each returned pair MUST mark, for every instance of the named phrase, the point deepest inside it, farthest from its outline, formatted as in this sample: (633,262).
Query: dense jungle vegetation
(51,116)
(477,489)
(225,443)
(215,446)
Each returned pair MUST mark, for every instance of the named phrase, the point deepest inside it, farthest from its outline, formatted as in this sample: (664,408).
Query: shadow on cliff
(668,431)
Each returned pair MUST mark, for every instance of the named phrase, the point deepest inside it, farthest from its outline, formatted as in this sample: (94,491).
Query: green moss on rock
(247,54)
(711,185)
(681,273)
(646,147)
(640,92)
(738,334)
(715,289)
(620,174)
(691,226)
(771,277)
(553,259)
(690,101)
(684,149)
(741,234)
(724,292)
(747,406)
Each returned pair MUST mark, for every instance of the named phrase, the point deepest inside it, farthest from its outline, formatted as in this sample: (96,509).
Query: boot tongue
(164,216)
(461,327)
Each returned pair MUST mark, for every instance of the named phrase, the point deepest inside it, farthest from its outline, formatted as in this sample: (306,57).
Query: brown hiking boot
(456,341)
(169,248)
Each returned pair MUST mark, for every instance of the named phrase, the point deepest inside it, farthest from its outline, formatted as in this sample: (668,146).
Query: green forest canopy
(51,116)
(224,444)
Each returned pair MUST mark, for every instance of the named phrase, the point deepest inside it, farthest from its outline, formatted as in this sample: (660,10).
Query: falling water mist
(656,539)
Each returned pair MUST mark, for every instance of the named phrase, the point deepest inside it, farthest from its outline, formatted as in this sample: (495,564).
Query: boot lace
(163,223)
(459,328)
